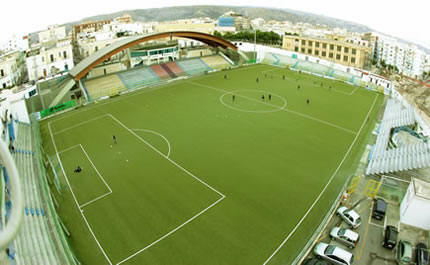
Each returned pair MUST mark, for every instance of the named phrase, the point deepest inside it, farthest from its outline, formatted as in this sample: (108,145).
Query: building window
(310,43)
(331,47)
(330,55)
(317,52)
(354,51)
(346,49)
(296,49)
(303,42)
(337,56)
(96,48)
(1,72)
(297,40)
(352,59)
(317,44)
(64,54)
(323,54)
(339,48)
(345,58)
(324,45)
(52,58)
(310,51)
(303,50)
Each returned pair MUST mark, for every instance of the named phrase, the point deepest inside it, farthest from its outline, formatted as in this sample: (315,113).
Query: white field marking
(171,232)
(285,109)
(159,134)
(325,187)
(163,155)
(79,124)
(100,176)
(68,149)
(74,197)
(183,169)
(138,92)
(278,108)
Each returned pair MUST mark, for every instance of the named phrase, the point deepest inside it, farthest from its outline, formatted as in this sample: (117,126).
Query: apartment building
(11,69)
(342,52)
(49,59)
(53,33)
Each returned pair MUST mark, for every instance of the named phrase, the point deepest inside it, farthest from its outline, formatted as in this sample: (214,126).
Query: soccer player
(270,97)
(225,76)
(298,87)
(262,97)
(78,169)
(283,77)
(265,75)
(114,139)
(307,101)
(257,80)
(233,97)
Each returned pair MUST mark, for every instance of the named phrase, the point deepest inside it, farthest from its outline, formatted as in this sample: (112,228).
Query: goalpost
(11,228)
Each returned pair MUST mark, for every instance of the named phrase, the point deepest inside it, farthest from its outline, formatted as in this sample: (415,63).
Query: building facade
(341,52)
(12,69)
(52,33)
(49,59)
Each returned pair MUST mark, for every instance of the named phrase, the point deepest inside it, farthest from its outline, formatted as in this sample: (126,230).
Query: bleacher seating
(138,77)
(34,243)
(406,157)
(193,66)
(104,85)
(175,68)
(159,71)
(216,62)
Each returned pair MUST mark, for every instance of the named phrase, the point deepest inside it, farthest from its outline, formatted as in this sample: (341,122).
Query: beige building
(337,51)
(11,69)
(186,26)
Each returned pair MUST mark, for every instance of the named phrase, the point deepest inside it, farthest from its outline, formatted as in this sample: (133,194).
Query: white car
(351,217)
(333,254)
(346,236)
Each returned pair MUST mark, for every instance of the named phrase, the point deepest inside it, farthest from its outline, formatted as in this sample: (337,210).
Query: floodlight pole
(255,44)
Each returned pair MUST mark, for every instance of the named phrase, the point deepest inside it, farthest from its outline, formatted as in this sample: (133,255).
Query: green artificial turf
(240,175)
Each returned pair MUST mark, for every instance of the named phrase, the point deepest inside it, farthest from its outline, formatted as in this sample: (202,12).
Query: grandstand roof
(81,69)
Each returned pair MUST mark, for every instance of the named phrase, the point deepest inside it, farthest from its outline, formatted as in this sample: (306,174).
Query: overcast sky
(406,19)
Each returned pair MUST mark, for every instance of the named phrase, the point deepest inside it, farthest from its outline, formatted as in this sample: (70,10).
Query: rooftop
(422,188)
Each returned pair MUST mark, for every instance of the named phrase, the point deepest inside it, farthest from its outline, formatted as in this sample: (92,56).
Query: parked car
(390,237)
(351,217)
(345,236)
(422,254)
(379,209)
(315,261)
(404,252)
(333,254)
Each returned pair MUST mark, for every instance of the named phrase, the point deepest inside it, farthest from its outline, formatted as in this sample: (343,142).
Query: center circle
(254,96)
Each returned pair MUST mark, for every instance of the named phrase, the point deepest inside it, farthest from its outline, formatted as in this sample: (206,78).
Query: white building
(127,28)
(16,44)
(53,32)
(414,207)
(47,60)
(406,57)
(11,69)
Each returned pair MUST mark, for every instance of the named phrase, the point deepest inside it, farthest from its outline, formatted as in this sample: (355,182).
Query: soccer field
(199,178)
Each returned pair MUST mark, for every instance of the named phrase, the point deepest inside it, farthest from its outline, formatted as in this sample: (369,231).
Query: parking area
(369,249)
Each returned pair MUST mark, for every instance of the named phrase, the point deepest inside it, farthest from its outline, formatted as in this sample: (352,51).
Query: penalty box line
(81,206)
(74,197)
(222,196)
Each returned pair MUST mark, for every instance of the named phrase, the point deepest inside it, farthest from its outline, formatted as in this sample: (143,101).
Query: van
(379,209)
(390,237)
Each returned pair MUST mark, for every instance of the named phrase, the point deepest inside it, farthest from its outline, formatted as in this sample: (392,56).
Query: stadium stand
(167,69)
(138,77)
(175,68)
(159,71)
(104,85)
(34,243)
(406,157)
(216,62)
(193,66)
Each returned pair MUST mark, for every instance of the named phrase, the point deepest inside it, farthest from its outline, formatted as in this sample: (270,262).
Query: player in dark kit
(225,76)
(270,97)
(78,169)
(262,97)
(307,101)
(233,97)
(114,139)
(257,80)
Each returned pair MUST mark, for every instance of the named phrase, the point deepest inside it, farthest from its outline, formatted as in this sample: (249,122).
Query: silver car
(351,217)
(333,254)
(345,236)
